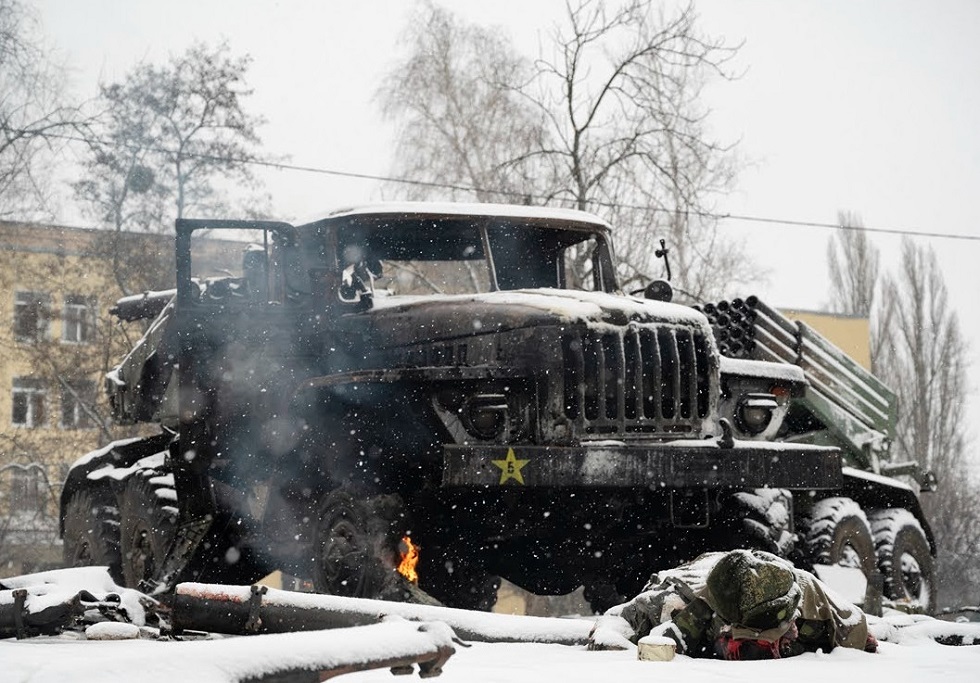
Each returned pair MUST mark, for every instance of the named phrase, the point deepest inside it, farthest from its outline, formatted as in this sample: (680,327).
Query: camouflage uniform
(747,597)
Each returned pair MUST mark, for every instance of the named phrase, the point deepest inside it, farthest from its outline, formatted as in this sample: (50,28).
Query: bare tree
(621,93)
(924,361)
(609,119)
(854,267)
(33,113)
(460,118)
(921,353)
(167,138)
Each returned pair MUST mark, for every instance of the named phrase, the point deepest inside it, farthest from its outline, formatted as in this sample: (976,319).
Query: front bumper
(673,465)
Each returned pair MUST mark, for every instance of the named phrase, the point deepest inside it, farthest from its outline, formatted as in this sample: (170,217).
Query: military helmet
(754,590)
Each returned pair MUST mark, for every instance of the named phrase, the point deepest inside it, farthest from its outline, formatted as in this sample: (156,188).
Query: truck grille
(636,379)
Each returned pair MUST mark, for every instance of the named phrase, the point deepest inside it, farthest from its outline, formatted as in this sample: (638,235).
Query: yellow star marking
(510,467)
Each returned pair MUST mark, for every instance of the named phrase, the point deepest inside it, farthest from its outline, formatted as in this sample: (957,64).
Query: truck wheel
(904,557)
(92,532)
(760,519)
(837,533)
(147,524)
(355,546)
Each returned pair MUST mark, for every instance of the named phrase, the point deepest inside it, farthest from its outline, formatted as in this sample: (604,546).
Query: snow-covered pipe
(257,609)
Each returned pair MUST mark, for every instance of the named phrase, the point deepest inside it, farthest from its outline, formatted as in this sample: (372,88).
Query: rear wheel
(837,532)
(148,509)
(759,519)
(147,524)
(356,546)
(904,557)
(91,535)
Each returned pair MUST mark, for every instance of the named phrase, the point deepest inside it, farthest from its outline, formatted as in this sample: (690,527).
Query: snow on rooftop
(466,209)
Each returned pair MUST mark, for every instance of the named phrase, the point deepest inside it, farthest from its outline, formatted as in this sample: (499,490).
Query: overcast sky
(870,106)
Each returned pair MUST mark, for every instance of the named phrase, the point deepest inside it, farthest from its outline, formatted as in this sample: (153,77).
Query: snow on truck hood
(521,308)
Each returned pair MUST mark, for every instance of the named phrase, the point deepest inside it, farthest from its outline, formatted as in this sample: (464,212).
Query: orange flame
(409,559)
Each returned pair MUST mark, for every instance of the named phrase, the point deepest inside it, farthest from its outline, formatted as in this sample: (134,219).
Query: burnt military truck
(442,377)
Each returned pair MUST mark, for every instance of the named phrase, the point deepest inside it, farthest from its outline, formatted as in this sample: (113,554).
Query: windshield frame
(383,232)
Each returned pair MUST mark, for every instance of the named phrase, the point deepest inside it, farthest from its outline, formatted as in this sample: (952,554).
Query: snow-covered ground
(908,650)
(922,662)
(62,660)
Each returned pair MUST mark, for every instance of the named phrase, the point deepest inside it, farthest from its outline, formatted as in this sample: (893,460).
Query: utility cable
(284,166)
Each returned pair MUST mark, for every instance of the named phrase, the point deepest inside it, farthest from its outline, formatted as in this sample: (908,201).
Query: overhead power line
(284,166)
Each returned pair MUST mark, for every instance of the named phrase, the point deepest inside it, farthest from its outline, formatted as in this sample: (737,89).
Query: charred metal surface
(23,615)
(652,379)
(219,611)
(428,374)
(427,353)
(142,306)
(254,621)
(656,466)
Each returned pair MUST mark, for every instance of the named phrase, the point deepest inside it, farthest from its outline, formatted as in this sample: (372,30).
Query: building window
(79,318)
(28,402)
(25,490)
(74,399)
(31,315)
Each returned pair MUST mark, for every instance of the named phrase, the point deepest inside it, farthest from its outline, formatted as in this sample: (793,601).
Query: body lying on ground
(740,604)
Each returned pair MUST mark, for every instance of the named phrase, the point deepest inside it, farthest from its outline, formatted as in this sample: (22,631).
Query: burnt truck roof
(393,213)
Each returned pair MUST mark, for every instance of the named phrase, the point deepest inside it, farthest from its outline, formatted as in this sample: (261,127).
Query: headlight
(485,416)
(754,412)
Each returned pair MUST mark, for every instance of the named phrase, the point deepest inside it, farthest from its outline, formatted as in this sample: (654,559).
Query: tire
(759,519)
(147,524)
(356,546)
(91,535)
(904,558)
(837,532)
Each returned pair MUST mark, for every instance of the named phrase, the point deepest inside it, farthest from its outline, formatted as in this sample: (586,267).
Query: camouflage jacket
(678,604)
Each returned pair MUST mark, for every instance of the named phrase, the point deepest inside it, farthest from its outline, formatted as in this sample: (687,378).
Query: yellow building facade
(850,333)
(57,341)
(53,293)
